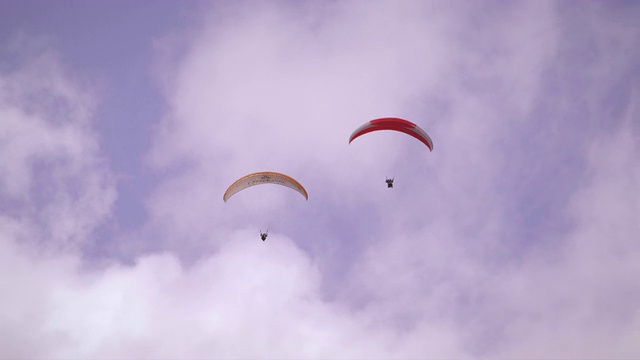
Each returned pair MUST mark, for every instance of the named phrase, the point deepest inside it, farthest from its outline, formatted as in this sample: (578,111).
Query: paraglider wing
(264,177)
(396,124)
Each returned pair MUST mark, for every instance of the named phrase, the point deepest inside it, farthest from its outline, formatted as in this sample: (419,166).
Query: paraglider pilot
(390,183)
(263,235)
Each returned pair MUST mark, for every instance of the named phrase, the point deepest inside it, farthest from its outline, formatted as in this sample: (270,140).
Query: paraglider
(260,178)
(396,124)
(264,177)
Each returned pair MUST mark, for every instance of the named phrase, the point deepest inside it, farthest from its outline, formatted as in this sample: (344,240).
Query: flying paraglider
(396,124)
(260,178)
(264,177)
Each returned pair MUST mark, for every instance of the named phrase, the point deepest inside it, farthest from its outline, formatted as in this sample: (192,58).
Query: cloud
(274,88)
(56,181)
(455,262)
(228,305)
(578,296)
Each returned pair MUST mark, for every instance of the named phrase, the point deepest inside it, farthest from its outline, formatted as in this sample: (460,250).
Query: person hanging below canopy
(390,182)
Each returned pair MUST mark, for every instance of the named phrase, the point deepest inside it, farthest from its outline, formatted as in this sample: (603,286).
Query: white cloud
(425,271)
(246,301)
(579,296)
(281,89)
(54,179)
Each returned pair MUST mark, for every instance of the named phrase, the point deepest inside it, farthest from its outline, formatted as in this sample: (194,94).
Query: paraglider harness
(389,182)
(263,235)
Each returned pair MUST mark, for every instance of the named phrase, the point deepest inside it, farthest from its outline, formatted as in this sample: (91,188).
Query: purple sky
(122,124)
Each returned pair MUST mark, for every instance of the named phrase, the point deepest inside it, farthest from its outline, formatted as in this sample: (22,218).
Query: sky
(122,124)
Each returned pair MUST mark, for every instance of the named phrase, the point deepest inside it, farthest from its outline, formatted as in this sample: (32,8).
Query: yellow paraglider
(264,177)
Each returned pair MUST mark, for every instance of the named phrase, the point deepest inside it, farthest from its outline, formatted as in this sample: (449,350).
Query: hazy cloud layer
(55,181)
(516,237)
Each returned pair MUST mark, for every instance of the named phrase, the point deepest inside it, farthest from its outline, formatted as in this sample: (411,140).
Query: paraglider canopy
(397,124)
(264,177)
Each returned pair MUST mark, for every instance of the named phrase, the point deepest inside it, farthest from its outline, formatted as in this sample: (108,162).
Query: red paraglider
(396,124)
